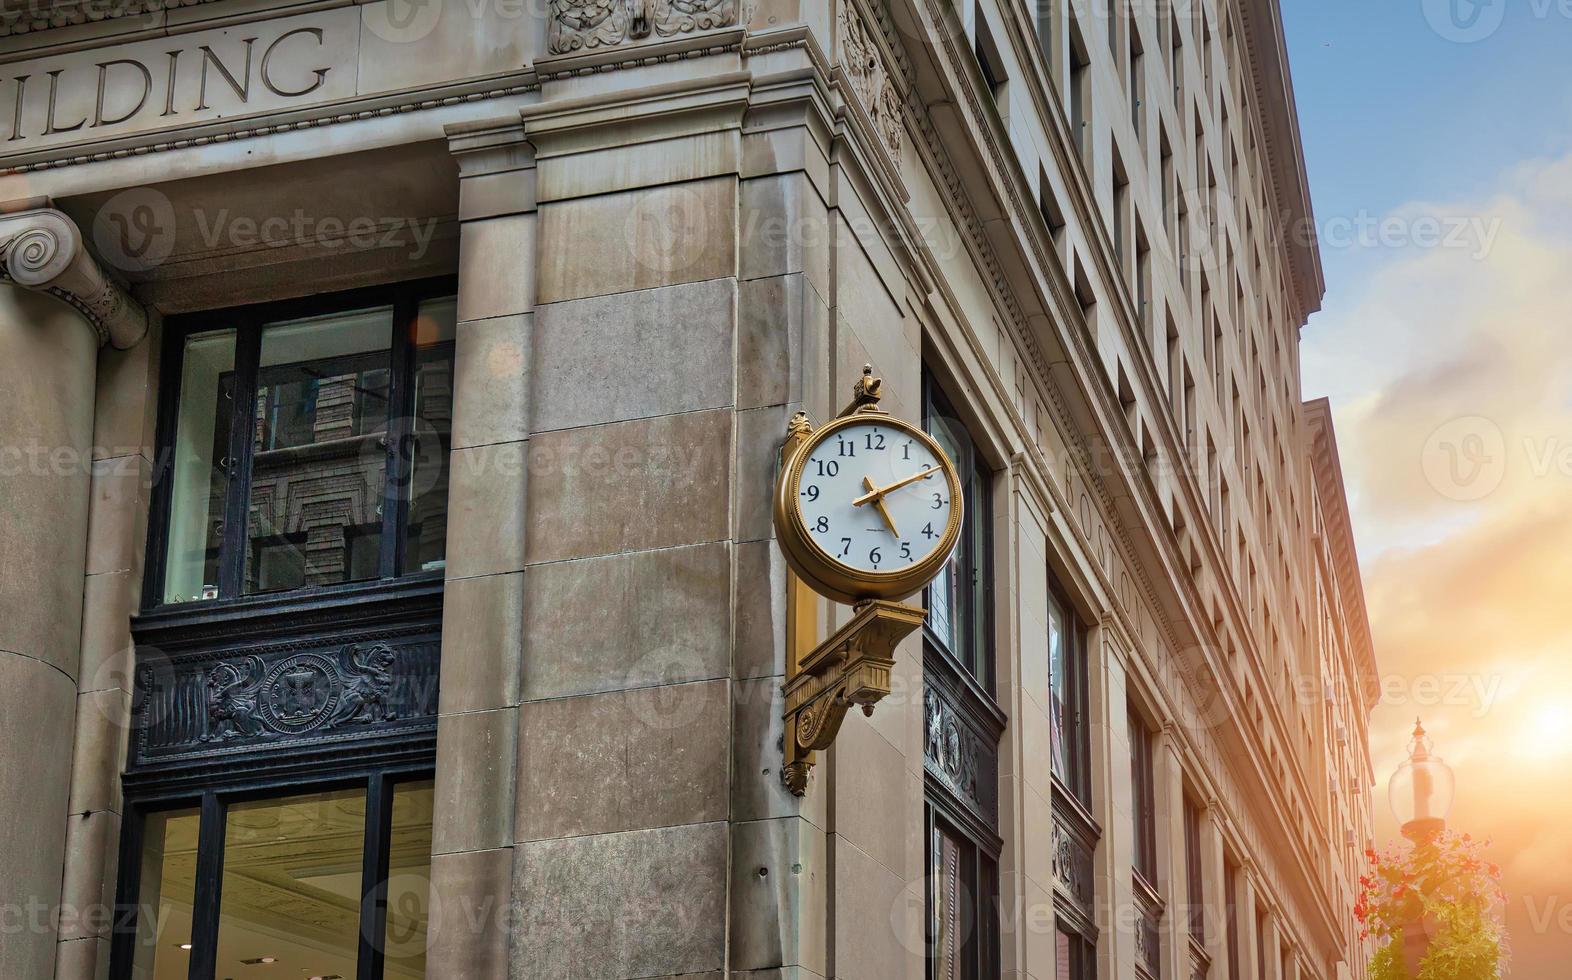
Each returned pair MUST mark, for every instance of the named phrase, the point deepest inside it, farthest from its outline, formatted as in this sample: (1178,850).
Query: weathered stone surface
(82,959)
(779,882)
(779,320)
(36,707)
(757,732)
(759,435)
(636,354)
(491,380)
(889,945)
(639,904)
(629,486)
(88,891)
(482,642)
(877,810)
(476,759)
(639,239)
(785,229)
(759,649)
(624,760)
(117,517)
(661,617)
(470,902)
(108,601)
(496,267)
(103,723)
(486,510)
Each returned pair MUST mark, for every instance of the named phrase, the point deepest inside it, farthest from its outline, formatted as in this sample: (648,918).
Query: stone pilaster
(1108,709)
(1271,938)
(1249,932)
(1172,866)
(59,523)
(483,602)
(632,498)
(1214,886)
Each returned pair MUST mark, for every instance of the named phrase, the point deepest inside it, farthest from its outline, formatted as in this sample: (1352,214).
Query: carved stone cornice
(584,25)
(42,249)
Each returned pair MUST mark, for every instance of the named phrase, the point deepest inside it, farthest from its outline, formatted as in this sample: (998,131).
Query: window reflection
(319,462)
(199,475)
(289,905)
(168,885)
(425,547)
(409,881)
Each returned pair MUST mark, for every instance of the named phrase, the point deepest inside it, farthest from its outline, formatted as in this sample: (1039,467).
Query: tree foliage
(1445,888)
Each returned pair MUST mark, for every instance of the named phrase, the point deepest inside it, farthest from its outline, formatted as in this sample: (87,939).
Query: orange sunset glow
(1456,424)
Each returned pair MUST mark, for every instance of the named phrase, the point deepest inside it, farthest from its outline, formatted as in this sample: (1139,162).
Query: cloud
(1451,376)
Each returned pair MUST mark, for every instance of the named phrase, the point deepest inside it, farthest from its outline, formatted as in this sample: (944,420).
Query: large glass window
(315,883)
(308,445)
(1067,697)
(957,597)
(1194,871)
(963,922)
(1143,802)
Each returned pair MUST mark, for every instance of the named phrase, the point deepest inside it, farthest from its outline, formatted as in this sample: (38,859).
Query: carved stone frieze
(194,705)
(1072,863)
(584,25)
(958,755)
(871,79)
(42,249)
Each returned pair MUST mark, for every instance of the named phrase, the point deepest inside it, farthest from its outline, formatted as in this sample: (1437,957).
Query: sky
(1438,139)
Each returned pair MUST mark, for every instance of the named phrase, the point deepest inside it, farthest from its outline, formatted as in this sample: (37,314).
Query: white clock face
(874,498)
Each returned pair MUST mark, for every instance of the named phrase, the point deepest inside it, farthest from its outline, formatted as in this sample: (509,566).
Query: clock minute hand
(884,512)
(879,493)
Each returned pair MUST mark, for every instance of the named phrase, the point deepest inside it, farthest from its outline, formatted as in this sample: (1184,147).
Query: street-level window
(319,882)
(1067,697)
(957,598)
(307,444)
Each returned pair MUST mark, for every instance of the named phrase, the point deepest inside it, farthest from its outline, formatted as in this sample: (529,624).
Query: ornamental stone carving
(41,249)
(865,67)
(585,25)
(190,706)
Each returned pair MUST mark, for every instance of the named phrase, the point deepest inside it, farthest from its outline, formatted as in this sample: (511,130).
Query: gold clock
(867,506)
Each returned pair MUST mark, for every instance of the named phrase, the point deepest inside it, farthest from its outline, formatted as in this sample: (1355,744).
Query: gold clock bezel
(826,574)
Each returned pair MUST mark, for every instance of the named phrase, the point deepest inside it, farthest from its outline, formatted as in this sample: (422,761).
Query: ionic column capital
(41,249)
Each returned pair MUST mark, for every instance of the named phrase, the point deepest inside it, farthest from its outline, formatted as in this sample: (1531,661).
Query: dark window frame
(1078,783)
(1195,888)
(1143,803)
(979,874)
(976,665)
(213,802)
(247,321)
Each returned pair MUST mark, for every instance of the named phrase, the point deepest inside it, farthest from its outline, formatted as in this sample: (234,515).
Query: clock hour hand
(878,494)
(878,501)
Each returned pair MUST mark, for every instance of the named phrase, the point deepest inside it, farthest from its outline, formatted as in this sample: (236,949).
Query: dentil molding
(41,249)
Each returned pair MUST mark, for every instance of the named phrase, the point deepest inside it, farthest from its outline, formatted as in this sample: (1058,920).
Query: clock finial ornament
(865,392)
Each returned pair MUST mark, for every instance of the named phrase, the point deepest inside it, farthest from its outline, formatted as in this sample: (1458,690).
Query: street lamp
(1422,790)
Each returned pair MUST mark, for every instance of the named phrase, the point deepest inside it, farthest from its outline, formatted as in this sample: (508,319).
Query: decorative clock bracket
(853,666)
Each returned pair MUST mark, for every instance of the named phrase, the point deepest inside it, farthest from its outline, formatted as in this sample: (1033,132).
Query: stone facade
(673,223)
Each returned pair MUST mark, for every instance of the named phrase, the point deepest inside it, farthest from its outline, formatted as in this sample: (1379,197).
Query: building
(391,395)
